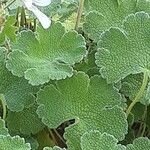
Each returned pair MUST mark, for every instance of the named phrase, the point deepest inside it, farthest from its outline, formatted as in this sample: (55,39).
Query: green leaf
(13,143)
(98,141)
(92,102)
(139,144)
(51,55)
(9,30)
(17,92)
(3,129)
(105,14)
(125,52)
(24,122)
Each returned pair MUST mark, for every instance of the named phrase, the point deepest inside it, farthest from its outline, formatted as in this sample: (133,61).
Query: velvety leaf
(124,52)
(82,99)
(51,55)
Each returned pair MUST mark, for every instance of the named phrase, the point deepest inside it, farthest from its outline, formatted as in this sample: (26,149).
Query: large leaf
(51,55)
(125,52)
(92,102)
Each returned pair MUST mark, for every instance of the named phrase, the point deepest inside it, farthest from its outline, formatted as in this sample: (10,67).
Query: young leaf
(51,55)
(92,102)
(99,141)
(17,92)
(125,52)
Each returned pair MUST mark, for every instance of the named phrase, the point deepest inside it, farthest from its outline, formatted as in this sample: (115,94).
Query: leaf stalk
(140,93)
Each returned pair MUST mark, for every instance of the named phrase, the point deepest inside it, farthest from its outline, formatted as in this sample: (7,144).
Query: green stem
(140,93)
(79,15)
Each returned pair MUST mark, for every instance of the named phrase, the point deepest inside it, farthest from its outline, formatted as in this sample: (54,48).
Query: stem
(3,105)
(140,93)
(80,10)
(59,136)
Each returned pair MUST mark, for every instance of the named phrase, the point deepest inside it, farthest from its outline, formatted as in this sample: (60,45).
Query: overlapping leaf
(125,52)
(91,102)
(17,92)
(48,56)
(94,140)
(54,148)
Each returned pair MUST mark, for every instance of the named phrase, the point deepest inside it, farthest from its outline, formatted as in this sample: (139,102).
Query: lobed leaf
(125,52)
(51,55)
(82,99)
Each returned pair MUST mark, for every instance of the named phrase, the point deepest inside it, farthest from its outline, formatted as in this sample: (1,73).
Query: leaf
(105,14)
(125,52)
(8,30)
(24,122)
(17,92)
(51,55)
(92,102)
(98,141)
(3,129)
(13,143)
(139,144)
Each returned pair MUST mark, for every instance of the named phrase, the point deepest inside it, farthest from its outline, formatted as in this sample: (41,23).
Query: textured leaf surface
(13,143)
(83,99)
(17,92)
(97,141)
(48,56)
(105,14)
(125,52)
(25,121)
(139,144)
